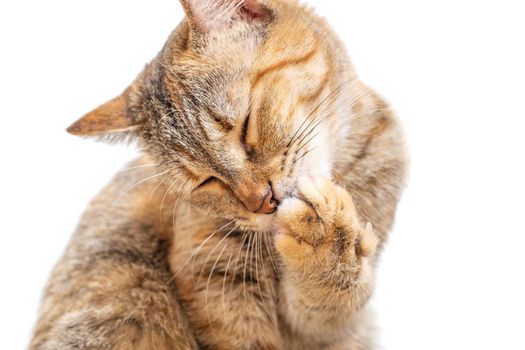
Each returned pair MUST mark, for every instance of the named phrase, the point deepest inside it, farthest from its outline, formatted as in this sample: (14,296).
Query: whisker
(257,253)
(224,279)
(370,111)
(196,251)
(213,250)
(345,117)
(204,243)
(136,185)
(211,273)
(339,120)
(168,190)
(169,114)
(315,110)
(306,153)
(239,256)
(136,167)
(307,142)
(173,216)
(270,254)
(245,266)
(331,107)
(331,136)
(336,90)
(156,187)
(303,132)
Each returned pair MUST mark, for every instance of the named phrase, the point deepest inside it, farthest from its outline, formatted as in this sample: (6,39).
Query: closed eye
(206,182)
(244,136)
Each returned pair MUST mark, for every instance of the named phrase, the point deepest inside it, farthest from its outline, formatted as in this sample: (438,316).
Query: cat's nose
(259,199)
(269,204)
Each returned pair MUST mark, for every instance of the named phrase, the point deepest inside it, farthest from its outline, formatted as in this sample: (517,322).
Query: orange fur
(249,103)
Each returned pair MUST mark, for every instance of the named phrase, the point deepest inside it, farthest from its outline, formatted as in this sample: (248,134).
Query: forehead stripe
(281,65)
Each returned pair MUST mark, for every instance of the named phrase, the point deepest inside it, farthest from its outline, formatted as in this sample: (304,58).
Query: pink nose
(258,199)
(268,205)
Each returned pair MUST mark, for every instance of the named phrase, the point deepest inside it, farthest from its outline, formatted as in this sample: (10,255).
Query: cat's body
(165,260)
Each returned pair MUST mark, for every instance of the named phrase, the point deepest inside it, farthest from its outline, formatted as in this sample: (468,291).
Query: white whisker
(196,252)
(136,185)
(137,167)
(245,266)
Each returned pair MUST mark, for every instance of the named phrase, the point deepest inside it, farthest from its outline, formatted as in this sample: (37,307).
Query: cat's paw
(320,227)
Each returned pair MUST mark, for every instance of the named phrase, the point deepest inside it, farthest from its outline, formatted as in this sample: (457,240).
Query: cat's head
(244,98)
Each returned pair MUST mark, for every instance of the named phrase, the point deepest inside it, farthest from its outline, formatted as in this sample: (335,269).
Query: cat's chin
(259,223)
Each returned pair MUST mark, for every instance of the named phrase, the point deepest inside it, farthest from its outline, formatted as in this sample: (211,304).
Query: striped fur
(246,92)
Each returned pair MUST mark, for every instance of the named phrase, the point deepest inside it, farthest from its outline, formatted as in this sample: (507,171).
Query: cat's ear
(110,118)
(209,15)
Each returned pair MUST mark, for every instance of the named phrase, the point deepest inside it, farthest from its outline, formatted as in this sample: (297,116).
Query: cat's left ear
(110,118)
(210,15)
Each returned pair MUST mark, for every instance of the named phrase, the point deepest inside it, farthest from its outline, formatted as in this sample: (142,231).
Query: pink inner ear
(253,9)
(208,15)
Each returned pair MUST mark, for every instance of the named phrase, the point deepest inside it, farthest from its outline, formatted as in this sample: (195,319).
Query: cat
(254,219)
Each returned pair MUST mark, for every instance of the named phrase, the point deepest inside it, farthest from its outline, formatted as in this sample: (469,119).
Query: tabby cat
(254,219)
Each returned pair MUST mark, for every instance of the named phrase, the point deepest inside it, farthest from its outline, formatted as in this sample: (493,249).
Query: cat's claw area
(320,221)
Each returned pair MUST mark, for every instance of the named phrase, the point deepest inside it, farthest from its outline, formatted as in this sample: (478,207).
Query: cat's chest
(226,279)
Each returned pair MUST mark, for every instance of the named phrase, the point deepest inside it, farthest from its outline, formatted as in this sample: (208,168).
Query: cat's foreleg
(327,274)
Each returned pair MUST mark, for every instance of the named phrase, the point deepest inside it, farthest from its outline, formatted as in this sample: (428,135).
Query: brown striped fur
(164,259)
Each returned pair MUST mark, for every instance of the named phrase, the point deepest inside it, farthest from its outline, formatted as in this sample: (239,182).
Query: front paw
(319,229)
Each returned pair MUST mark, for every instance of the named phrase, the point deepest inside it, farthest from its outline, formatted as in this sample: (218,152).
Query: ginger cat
(255,218)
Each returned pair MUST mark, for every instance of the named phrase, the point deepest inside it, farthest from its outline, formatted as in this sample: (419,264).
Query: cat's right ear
(210,15)
(111,118)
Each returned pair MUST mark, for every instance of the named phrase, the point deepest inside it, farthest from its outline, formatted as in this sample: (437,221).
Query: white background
(452,276)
